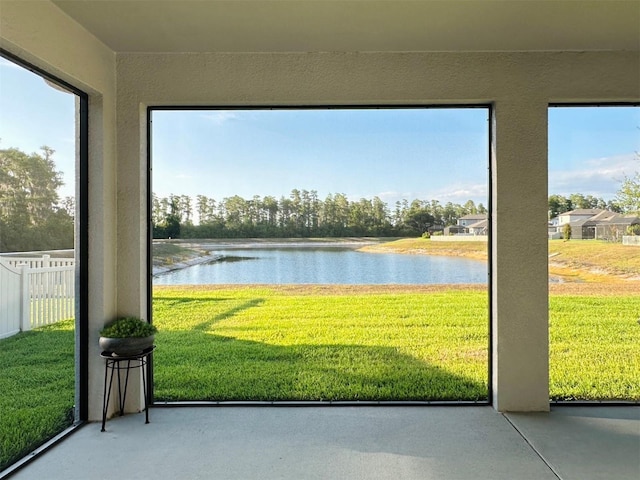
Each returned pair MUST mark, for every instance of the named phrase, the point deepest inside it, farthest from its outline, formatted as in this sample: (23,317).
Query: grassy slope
(425,246)
(165,253)
(596,256)
(581,260)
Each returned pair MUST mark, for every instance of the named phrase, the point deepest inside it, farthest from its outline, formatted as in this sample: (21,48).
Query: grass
(327,343)
(36,388)
(596,256)
(306,343)
(269,344)
(594,347)
(477,250)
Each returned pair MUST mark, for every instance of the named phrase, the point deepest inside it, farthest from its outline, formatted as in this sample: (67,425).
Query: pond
(319,264)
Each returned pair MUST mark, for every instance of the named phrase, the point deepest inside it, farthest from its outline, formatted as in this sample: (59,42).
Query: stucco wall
(519,85)
(40,34)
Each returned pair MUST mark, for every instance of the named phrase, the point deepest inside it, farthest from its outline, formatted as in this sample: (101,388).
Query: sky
(394,154)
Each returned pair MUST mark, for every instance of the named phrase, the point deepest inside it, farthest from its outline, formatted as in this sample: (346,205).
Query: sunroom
(515,58)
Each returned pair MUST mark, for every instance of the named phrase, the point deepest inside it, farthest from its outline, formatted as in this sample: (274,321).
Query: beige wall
(518,85)
(38,33)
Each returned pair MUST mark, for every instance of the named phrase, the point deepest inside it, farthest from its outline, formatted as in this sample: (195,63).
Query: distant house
(577,215)
(471,219)
(478,228)
(593,223)
(455,230)
(612,226)
(437,228)
(472,224)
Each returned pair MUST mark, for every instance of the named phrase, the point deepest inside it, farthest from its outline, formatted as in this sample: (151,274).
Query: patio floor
(580,443)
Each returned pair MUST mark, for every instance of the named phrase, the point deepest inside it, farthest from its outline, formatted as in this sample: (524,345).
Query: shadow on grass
(194,362)
(202,303)
(194,365)
(254,302)
(36,389)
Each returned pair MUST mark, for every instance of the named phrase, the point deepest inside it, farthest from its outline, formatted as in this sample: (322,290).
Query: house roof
(480,224)
(605,217)
(474,216)
(583,212)
(617,219)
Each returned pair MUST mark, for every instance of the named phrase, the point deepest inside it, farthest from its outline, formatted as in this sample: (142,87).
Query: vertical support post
(132,211)
(519,260)
(25,296)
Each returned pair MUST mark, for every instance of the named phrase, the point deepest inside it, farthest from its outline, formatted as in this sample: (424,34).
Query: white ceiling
(358,25)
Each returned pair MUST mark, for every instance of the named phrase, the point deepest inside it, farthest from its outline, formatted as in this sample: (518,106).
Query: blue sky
(387,153)
(423,153)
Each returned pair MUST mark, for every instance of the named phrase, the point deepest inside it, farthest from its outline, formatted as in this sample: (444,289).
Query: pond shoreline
(339,261)
(162,269)
(197,252)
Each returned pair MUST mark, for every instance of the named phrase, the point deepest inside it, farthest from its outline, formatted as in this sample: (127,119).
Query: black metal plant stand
(124,363)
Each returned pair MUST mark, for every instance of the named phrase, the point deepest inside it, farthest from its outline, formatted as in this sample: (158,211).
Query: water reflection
(325,265)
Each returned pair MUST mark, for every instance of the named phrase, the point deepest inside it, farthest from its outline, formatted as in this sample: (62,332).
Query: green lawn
(594,348)
(310,343)
(36,388)
(296,344)
(266,344)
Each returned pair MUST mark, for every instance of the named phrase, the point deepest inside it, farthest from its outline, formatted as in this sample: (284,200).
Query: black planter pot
(124,347)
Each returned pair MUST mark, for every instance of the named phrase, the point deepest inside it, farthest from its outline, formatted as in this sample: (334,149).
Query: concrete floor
(580,443)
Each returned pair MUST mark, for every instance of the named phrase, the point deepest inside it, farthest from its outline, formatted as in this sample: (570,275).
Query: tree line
(300,214)
(34,217)
(304,214)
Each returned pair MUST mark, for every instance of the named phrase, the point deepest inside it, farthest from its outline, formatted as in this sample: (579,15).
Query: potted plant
(127,336)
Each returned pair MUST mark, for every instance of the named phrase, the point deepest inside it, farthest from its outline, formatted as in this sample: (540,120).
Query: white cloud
(454,193)
(477,192)
(600,177)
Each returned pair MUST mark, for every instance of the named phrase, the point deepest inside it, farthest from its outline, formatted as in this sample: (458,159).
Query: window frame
(81,354)
(490,110)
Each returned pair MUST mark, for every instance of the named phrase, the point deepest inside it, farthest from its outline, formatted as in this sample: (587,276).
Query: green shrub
(426,235)
(128,327)
(566,231)
(633,230)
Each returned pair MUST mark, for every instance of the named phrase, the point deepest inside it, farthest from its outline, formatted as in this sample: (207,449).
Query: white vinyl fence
(35,292)
(631,240)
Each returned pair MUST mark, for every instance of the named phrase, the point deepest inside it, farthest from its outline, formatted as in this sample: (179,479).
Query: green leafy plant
(127,327)
(633,230)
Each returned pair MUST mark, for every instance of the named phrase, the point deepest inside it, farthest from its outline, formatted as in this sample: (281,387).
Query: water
(325,265)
